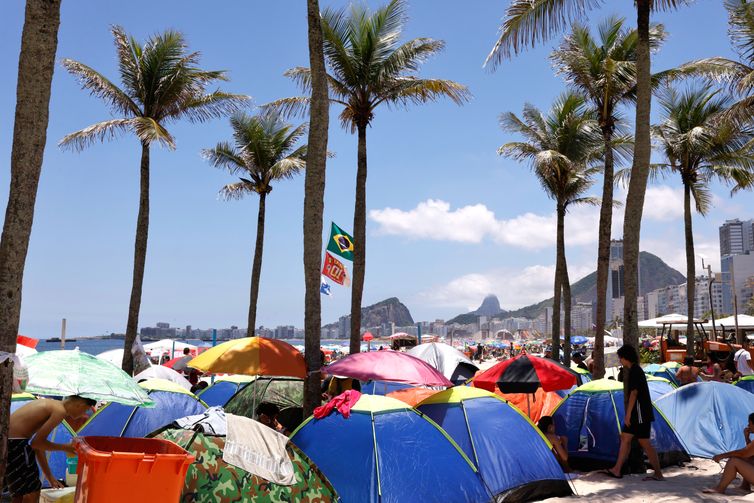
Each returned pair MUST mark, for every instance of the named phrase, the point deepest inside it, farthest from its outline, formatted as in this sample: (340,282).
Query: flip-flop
(652,477)
(711,490)
(610,474)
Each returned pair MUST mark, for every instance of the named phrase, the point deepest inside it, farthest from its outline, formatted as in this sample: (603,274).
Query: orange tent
(252,356)
(412,396)
(535,405)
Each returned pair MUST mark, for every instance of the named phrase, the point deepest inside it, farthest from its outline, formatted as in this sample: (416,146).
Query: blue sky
(449,220)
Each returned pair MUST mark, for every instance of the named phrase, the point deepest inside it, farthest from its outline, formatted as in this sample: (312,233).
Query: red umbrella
(388,366)
(367,336)
(172,362)
(524,374)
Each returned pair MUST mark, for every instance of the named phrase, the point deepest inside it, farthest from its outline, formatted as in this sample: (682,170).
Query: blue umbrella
(578,339)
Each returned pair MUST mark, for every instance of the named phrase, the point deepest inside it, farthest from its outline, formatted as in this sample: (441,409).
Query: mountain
(653,272)
(389,310)
(490,307)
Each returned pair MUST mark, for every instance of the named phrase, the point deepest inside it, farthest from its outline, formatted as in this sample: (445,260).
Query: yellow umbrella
(252,356)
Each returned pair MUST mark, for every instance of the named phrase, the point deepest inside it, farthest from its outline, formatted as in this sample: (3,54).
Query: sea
(95,346)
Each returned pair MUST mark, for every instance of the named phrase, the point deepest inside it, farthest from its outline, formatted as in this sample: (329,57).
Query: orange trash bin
(125,470)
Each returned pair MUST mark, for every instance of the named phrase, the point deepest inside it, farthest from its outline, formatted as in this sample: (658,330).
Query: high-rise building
(616,290)
(736,237)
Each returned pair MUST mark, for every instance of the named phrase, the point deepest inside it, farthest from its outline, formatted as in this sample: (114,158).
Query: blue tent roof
(657,388)
(382,387)
(590,417)
(492,432)
(61,434)
(387,452)
(219,393)
(118,420)
(658,370)
(709,417)
(747,383)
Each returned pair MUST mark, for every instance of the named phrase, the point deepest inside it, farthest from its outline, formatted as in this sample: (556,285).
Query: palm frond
(101,87)
(236,191)
(297,106)
(407,90)
(224,156)
(203,107)
(99,132)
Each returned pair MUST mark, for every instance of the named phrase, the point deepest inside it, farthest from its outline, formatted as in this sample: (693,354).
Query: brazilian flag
(341,243)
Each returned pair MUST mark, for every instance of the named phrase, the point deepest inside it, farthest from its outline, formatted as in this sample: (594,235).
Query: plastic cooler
(114,470)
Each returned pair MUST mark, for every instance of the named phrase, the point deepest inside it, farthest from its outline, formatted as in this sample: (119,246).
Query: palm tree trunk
(140,259)
(39,42)
(637,187)
(314,202)
(565,284)
(256,268)
(360,240)
(690,269)
(603,253)
(556,300)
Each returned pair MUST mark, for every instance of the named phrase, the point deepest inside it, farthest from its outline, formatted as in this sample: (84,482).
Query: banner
(341,243)
(324,287)
(335,270)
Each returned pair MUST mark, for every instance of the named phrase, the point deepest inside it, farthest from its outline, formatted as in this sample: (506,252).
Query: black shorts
(639,430)
(21,471)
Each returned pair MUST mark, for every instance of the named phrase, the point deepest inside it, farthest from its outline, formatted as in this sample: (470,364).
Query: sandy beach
(682,484)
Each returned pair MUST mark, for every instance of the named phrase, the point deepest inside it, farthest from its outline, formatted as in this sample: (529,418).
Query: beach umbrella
(524,374)
(448,360)
(578,339)
(65,373)
(388,366)
(162,372)
(252,356)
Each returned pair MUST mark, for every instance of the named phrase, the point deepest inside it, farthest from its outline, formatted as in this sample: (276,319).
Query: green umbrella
(65,373)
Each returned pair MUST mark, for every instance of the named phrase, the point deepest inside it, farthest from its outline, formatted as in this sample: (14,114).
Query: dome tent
(709,416)
(659,386)
(448,360)
(223,389)
(285,392)
(492,434)
(210,479)
(387,452)
(657,370)
(172,401)
(591,417)
(747,383)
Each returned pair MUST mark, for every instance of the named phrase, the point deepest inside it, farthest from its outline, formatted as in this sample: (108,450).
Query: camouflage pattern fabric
(285,392)
(211,480)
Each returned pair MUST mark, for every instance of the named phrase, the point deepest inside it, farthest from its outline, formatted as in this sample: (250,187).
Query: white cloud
(673,252)
(514,289)
(434,219)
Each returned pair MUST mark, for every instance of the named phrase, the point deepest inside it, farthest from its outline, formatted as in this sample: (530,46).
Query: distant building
(736,237)
(616,289)
(581,318)
(284,332)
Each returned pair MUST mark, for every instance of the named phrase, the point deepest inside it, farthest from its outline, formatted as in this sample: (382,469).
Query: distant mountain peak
(490,306)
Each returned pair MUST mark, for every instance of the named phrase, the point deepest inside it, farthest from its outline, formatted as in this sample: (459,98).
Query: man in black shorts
(639,414)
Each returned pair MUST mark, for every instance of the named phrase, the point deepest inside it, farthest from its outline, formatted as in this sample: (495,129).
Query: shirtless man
(688,373)
(27,439)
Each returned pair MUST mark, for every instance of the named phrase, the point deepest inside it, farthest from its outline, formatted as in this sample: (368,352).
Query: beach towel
(257,449)
(342,403)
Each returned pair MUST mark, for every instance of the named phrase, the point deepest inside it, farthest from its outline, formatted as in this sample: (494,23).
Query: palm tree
(39,42)
(700,143)
(368,68)
(264,151)
(738,75)
(603,70)
(161,84)
(562,148)
(530,21)
(314,202)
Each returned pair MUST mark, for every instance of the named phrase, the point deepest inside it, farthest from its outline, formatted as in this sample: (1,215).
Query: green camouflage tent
(285,392)
(211,480)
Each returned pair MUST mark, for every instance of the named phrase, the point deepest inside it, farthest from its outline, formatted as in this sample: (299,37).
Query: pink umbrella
(388,366)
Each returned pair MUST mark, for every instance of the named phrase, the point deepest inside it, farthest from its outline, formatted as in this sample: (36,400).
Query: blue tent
(117,420)
(747,383)
(61,434)
(657,370)
(221,391)
(513,457)
(709,416)
(382,387)
(591,418)
(387,452)
(659,386)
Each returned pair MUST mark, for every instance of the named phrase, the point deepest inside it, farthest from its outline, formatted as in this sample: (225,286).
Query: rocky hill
(653,272)
(389,310)
(490,308)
